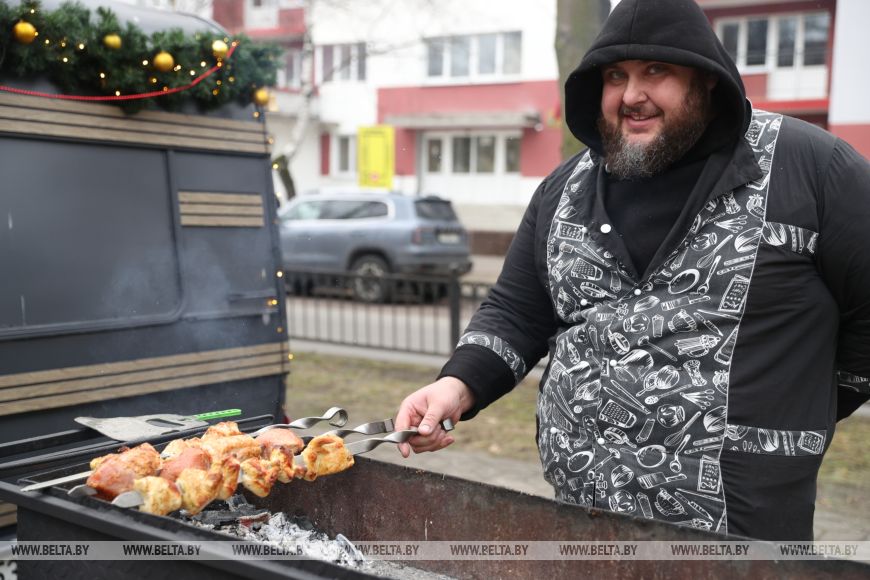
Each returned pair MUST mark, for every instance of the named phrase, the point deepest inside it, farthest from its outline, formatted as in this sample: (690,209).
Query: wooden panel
(67,373)
(140,389)
(101,122)
(114,111)
(101,382)
(223,198)
(216,221)
(132,137)
(204,209)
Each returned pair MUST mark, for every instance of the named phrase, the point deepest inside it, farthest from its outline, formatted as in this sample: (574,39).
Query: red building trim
(324,153)
(763,9)
(813,106)
(857,135)
(539,149)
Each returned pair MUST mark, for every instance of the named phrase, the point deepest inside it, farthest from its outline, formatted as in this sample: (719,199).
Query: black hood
(673,31)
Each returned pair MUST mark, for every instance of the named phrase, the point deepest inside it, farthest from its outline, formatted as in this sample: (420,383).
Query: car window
(434,209)
(306,210)
(346,209)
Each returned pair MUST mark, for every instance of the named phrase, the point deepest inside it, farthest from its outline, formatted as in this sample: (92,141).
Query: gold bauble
(25,32)
(112,41)
(163,61)
(261,97)
(219,49)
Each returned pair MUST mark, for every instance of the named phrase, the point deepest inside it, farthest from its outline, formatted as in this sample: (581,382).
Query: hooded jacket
(705,390)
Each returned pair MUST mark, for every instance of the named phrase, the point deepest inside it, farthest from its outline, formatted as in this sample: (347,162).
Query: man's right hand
(448,397)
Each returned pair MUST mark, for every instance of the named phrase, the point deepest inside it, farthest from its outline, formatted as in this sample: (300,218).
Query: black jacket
(755,307)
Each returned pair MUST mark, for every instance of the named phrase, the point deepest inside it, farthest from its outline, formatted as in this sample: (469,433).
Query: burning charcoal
(254,520)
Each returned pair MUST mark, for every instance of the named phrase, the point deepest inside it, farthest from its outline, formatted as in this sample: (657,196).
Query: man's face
(651,114)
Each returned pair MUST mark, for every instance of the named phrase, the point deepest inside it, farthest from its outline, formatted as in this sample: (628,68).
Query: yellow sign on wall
(376,159)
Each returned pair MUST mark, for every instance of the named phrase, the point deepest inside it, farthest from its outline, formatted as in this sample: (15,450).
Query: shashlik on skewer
(201,470)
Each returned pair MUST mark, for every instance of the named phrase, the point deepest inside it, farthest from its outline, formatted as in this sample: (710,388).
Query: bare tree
(577,25)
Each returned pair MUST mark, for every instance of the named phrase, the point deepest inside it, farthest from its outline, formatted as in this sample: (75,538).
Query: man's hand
(447,397)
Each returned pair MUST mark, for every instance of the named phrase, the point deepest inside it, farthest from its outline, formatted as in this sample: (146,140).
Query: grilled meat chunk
(160,496)
(283,438)
(241,447)
(198,487)
(116,473)
(229,477)
(176,446)
(190,457)
(223,429)
(325,455)
(258,476)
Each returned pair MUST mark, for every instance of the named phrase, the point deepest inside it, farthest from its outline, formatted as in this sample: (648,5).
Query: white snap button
(637,292)
(601,440)
(605,228)
(583,302)
(612,362)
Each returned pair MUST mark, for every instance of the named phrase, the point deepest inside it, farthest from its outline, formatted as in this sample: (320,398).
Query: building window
(346,62)
(290,75)
(789,40)
(512,155)
(470,57)
(433,155)
(787,35)
(478,153)
(345,155)
(461,154)
(485,154)
(816,38)
(756,42)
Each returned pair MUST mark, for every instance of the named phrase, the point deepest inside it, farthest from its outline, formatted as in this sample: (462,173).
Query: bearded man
(700,280)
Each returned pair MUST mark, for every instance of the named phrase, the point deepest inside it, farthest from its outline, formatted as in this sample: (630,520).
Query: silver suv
(371,235)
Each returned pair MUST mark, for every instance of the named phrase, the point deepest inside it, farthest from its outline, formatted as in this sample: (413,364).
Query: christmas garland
(94,57)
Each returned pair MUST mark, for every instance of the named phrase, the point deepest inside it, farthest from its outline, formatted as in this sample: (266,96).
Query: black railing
(418,314)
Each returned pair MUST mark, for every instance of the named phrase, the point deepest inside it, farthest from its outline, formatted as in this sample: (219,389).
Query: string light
(275,166)
(153,80)
(218,83)
(81,46)
(65,59)
(102,75)
(202,64)
(145,62)
(63,44)
(193,73)
(279,273)
(215,92)
(33,10)
(177,68)
(256,114)
(47,42)
(117,93)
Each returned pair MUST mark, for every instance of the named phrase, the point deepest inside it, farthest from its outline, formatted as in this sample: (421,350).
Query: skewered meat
(230,478)
(283,438)
(199,487)
(160,496)
(241,447)
(259,475)
(116,473)
(190,457)
(325,455)
(176,446)
(223,429)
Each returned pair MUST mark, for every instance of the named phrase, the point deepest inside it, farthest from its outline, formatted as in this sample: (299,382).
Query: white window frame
(772,40)
(446,137)
(474,75)
(334,159)
(352,67)
(283,80)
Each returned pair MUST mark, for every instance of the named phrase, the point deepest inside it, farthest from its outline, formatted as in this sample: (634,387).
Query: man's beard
(627,160)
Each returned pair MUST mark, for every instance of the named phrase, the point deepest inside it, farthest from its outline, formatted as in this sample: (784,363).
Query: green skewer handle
(218,414)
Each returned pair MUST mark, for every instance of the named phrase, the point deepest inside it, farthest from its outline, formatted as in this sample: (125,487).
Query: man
(700,281)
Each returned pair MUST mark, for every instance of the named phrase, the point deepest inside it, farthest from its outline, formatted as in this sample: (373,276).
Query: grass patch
(372,390)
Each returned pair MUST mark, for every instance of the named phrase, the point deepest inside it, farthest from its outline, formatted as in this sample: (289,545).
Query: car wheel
(369,284)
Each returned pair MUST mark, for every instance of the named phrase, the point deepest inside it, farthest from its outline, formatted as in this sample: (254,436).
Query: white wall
(850,81)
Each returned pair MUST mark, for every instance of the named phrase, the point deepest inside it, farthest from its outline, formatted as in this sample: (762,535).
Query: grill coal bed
(378,502)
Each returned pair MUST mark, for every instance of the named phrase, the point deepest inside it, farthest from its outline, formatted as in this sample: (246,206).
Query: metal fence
(417,314)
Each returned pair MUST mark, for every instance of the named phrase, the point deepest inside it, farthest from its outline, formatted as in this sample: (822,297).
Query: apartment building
(470,87)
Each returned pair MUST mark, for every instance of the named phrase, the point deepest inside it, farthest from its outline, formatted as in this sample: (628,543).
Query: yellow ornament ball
(219,49)
(25,32)
(112,41)
(163,61)
(261,97)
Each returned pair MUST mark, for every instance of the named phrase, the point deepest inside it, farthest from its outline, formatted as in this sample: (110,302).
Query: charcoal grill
(374,501)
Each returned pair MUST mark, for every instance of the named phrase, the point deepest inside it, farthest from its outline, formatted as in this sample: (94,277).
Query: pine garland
(71,32)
